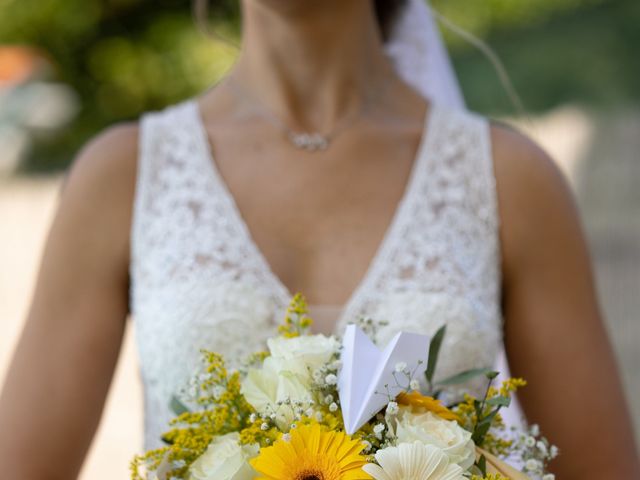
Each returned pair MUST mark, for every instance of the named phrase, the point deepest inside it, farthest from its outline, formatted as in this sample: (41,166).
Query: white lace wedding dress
(199,281)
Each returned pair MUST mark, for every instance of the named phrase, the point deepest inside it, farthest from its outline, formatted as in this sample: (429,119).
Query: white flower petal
(413,461)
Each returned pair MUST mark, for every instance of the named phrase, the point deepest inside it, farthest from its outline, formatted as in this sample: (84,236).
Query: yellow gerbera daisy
(312,453)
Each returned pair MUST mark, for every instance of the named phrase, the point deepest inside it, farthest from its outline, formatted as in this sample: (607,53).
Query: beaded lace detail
(199,280)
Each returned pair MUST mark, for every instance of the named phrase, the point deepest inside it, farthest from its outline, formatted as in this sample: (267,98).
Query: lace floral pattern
(199,281)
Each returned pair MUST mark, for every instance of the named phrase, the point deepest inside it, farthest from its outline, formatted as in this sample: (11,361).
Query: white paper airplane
(366,381)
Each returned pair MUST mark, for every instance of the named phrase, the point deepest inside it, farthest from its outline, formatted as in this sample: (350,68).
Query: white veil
(421,59)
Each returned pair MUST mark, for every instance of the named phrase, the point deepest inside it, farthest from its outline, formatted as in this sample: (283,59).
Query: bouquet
(314,407)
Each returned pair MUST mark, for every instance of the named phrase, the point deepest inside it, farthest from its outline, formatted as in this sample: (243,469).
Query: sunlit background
(68,68)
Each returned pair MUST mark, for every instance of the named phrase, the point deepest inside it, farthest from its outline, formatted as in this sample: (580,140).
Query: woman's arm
(555,336)
(51,402)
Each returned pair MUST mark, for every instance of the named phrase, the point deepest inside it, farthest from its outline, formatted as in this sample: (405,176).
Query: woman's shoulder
(524,171)
(111,154)
(107,161)
(535,200)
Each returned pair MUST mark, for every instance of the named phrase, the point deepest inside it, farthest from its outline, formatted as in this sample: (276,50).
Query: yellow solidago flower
(296,321)
(312,452)
(417,401)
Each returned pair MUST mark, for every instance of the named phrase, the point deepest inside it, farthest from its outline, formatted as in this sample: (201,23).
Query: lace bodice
(199,281)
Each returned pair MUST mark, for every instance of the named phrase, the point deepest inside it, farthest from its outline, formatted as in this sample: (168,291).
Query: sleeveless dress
(198,279)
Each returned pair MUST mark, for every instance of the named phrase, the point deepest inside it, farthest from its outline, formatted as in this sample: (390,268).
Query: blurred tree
(558,51)
(123,57)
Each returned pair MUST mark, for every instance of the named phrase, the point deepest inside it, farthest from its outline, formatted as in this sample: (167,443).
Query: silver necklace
(309,141)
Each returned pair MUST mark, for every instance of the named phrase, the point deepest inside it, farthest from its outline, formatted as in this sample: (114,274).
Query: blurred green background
(122,57)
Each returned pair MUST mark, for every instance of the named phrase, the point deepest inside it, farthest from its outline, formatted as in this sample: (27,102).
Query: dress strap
(164,171)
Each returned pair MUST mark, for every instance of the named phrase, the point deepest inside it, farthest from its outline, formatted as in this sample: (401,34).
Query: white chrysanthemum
(411,461)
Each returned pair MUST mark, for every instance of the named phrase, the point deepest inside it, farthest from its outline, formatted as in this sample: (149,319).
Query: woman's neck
(311,62)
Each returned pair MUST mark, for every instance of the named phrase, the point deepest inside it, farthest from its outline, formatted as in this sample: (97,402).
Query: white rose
(275,382)
(430,429)
(305,353)
(225,459)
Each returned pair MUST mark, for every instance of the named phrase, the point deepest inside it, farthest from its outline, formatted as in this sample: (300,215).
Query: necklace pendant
(309,141)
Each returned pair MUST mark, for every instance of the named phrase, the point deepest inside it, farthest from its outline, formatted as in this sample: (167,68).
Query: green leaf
(500,400)
(476,405)
(434,351)
(465,376)
(480,432)
(482,427)
(482,465)
(177,406)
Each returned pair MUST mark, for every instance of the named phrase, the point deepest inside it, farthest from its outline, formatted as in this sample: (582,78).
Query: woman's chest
(318,218)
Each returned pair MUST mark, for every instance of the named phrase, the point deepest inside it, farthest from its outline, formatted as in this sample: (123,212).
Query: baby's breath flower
(333,407)
(549,476)
(392,408)
(401,367)
(331,379)
(378,429)
(542,447)
(530,442)
(532,465)
(414,384)
(264,427)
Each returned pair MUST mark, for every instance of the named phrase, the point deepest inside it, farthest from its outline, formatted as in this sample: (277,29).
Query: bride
(203,218)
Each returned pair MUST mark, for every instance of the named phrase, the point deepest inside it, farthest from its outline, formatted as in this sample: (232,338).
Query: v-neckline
(384,247)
